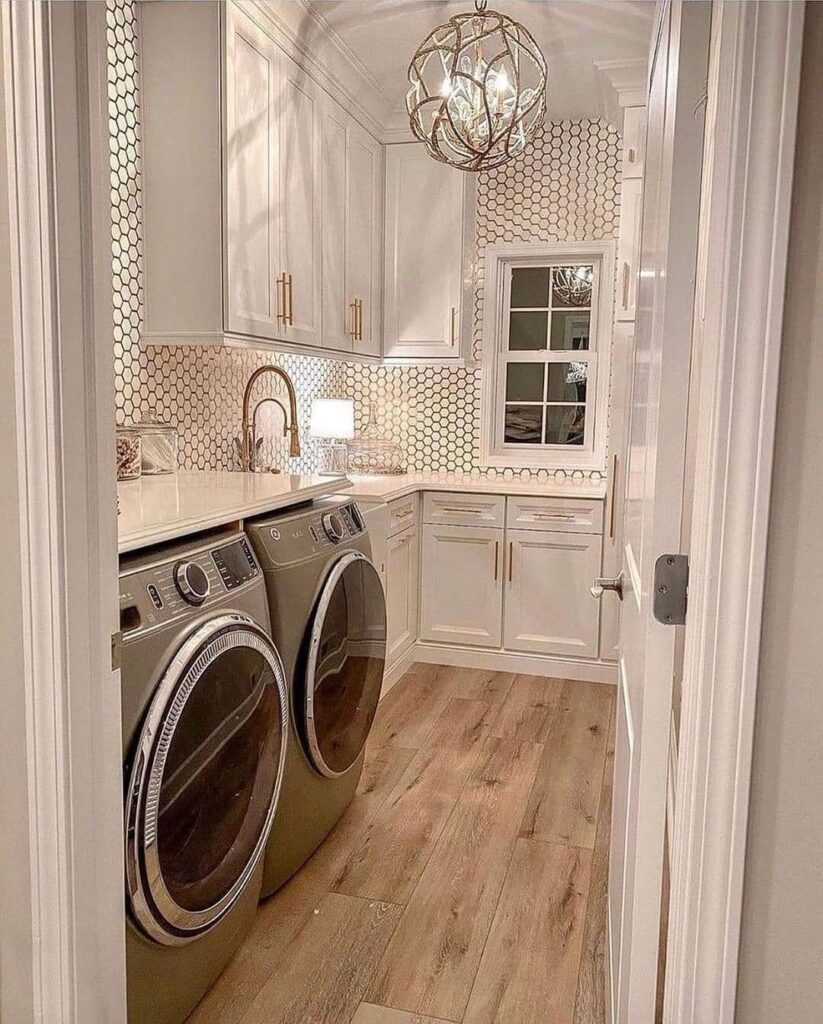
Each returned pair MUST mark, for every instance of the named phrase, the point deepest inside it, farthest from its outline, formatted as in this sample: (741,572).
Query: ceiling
(573,34)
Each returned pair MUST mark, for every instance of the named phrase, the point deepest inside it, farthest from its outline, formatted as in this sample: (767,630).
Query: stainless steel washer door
(205,780)
(346,658)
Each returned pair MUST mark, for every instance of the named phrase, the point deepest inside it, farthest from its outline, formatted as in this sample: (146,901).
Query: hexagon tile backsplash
(566,187)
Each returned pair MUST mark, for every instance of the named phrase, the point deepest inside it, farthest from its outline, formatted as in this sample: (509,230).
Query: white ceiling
(573,34)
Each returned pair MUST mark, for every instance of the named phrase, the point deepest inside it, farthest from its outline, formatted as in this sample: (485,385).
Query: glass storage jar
(160,447)
(129,453)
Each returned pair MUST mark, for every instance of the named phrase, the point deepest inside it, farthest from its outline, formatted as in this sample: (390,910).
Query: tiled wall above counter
(566,187)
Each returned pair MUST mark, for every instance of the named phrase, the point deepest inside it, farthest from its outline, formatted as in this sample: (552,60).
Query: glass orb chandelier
(572,286)
(478,90)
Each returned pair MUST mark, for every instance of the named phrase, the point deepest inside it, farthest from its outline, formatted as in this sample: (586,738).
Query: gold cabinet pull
(626,269)
(290,321)
(359,319)
(282,315)
(496,552)
(453,335)
(353,309)
(511,558)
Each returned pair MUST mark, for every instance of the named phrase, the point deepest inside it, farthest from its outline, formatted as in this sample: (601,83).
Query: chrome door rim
(169,923)
(318,620)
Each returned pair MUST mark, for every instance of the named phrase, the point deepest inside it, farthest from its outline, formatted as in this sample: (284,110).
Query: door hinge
(671,589)
(116,650)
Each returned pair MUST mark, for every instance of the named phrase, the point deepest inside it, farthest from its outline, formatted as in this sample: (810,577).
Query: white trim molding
(750,129)
(61,801)
(500,258)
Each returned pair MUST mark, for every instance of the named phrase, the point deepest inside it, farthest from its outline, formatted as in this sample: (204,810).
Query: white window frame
(500,260)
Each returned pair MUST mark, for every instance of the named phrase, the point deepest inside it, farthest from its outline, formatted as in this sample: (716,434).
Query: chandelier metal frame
(477,91)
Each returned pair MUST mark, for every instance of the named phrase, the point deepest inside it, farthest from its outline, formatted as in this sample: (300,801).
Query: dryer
(329,623)
(205,733)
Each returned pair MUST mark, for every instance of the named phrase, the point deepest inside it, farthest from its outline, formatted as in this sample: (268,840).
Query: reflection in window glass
(523,424)
(565,424)
(570,330)
(567,382)
(524,382)
(572,286)
(528,331)
(530,287)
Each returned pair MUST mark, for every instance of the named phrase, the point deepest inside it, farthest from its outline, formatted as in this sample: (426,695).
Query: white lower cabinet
(462,592)
(402,586)
(548,607)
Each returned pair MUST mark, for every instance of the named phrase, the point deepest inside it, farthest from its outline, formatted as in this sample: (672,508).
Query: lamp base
(333,459)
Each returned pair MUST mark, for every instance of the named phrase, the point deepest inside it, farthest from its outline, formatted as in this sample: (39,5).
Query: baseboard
(396,671)
(508,661)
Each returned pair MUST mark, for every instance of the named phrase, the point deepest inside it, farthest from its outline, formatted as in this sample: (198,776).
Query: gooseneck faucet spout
(247,448)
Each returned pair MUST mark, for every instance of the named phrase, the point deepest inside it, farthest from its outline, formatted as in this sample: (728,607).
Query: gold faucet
(247,448)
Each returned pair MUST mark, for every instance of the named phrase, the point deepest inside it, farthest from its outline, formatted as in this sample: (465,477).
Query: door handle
(604,583)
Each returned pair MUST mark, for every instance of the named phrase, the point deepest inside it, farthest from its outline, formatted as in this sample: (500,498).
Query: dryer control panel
(292,538)
(156,591)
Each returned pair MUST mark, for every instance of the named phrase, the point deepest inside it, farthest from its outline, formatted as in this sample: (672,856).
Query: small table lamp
(332,419)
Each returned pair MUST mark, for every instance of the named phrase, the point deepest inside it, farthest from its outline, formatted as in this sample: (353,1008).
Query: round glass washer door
(205,779)
(346,657)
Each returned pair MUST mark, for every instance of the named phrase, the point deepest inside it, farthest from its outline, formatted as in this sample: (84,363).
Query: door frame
(750,130)
(61,799)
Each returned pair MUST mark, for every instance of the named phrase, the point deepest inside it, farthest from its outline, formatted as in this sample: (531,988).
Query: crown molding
(622,84)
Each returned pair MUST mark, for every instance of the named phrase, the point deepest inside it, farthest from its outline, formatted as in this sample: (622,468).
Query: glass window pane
(567,382)
(524,382)
(523,424)
(565,424)
(530,287)
(570,331)
(572,286)
(527,331)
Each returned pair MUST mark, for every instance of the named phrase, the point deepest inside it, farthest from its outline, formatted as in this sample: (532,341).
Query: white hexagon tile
(566,187)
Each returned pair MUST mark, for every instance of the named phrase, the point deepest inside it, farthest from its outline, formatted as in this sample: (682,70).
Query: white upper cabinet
(262,199)
(426,223)
(352,173)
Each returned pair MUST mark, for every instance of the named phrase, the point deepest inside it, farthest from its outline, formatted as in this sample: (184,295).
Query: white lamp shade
(332,417)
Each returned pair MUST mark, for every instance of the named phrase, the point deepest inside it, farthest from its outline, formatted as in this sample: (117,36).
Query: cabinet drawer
(562,515)
(402,513)
(441,507)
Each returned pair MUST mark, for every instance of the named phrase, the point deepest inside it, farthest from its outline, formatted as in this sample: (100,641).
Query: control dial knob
(333,525)
(192,582)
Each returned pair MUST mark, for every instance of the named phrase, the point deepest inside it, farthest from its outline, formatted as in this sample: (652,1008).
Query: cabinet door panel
(336,315)
(300,117)
(549,609)
(462,588)
(252,213)
(364,225)
(401,594)
(424,247)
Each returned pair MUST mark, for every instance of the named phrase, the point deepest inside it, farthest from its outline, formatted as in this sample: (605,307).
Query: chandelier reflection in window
(478,90)
(572,285)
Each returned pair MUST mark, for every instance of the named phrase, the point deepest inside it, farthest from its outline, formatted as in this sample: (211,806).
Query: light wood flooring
(467,880)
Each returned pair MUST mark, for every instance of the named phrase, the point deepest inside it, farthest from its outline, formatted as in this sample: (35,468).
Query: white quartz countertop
(154,509)
(386,488)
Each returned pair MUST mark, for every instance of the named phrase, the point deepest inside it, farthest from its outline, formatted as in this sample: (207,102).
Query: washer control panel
(153,593)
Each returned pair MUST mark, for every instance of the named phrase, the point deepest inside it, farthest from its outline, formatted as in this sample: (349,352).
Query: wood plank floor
(466,883)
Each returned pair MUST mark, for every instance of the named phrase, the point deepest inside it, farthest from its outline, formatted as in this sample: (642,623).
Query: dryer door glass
(212,754)
(346,656)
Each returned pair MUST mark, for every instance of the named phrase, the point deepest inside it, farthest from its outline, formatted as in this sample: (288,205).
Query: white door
(653,498)
(300,117)
(549,609)
(364,228)
(424,252)
(462,589)
(252,182)
(337,317)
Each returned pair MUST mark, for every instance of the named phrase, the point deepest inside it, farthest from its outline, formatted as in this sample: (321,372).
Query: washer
(205,734)
(329,623)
